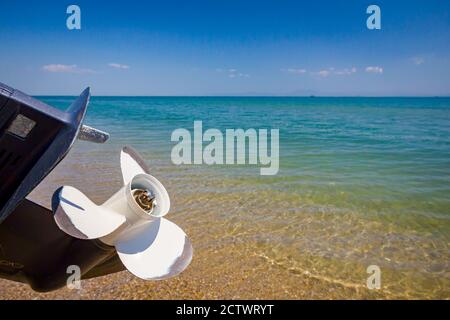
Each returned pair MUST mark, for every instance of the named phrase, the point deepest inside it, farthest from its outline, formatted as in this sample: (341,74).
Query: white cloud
(333,71)
(345,72)
(295,71)
(233,73)
(418,60)
(322,73)
(374,69)
(239,75)
(65,68)
(118,66)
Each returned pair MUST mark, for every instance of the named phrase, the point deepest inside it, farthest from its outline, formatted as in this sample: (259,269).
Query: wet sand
(214,274)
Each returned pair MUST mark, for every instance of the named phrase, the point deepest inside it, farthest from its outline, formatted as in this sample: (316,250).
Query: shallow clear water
(362,181)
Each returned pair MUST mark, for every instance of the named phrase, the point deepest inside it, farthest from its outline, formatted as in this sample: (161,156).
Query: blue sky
(227,47)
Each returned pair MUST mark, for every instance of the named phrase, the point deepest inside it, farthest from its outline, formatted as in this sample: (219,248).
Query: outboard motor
(37,245)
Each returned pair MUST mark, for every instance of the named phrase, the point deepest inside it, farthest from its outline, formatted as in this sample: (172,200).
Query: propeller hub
(145,199)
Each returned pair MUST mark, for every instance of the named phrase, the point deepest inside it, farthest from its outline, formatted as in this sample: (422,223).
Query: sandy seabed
(243,249)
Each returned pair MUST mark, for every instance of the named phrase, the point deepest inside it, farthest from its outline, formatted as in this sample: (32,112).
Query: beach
(362,181)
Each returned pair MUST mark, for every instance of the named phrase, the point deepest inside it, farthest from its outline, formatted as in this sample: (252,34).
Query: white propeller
(150,246)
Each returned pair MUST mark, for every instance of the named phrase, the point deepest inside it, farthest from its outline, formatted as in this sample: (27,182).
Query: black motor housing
(34,138)
(34,250)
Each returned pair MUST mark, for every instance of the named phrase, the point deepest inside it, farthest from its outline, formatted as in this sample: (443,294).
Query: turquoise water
(361,180)
(384,151)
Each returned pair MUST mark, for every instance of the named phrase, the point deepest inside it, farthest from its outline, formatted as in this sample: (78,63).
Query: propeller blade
(78,216)
(131,164)
(155,250)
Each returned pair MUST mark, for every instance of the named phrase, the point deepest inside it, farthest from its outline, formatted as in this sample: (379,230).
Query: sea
(362,182)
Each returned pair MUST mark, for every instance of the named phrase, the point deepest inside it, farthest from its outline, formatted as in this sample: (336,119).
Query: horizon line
(248,96)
